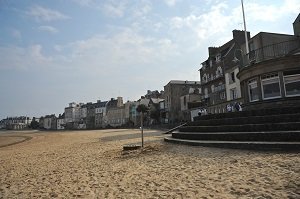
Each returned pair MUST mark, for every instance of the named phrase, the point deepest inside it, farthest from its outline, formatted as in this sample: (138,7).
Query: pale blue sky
(53,52)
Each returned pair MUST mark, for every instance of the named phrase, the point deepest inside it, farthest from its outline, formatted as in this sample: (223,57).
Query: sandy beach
(91,164)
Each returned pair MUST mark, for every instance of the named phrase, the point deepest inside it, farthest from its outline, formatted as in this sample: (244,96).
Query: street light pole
(246,37)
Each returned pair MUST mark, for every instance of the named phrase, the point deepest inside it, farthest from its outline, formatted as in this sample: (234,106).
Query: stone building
(172,93)
(296,26)
(72,115)
(115,112)
(17,123)
(270,73)
(219,84)
(50,122)
(100,114)
(60,122)
(186,100)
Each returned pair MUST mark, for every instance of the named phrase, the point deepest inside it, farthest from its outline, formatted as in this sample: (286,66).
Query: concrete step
(287,126)
(289,146)
(274,136)
(248,120)
(261,112)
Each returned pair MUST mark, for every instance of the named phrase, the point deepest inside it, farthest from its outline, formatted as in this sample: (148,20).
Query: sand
(91,164)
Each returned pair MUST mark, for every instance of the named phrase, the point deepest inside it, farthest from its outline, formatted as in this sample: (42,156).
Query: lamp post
(246,37)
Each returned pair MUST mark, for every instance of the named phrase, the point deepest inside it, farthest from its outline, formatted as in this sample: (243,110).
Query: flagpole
(246,37)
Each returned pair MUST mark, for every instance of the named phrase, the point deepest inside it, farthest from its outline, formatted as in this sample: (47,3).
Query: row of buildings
(267,76)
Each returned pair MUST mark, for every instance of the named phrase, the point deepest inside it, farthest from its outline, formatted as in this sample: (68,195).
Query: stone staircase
(275,128)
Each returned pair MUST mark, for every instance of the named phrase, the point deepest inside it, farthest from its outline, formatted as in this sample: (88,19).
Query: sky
(53,52)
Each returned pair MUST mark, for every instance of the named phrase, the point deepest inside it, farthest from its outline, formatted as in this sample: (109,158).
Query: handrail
(270,52)
(175,128)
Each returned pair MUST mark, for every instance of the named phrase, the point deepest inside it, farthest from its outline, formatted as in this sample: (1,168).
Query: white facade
(60,124)
(83,112)
(232,84)
(17,123)
(101,110)
(72,113)
(47,123)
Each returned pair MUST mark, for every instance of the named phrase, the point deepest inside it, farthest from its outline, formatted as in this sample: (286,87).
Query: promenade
(91,164)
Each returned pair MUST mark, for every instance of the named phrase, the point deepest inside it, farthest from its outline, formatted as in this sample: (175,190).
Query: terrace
(270,52)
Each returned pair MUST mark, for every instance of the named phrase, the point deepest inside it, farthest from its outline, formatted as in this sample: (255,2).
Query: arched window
(219,72)
(205,78)
(206,93)
(212,88)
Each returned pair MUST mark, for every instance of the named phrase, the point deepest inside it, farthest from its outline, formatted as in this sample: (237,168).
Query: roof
(184,82)
(297,19)
(156,100)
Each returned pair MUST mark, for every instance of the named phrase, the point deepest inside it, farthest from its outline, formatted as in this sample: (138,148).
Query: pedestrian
(229,108)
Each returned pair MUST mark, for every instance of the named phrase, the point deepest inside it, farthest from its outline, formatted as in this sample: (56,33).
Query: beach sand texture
(91,164)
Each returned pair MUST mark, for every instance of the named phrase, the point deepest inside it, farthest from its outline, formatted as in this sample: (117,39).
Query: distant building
(50,122)
(100,114)
(186,100)
(172,93)
(72,115)
(154,94)
(61,122)
(17,123)
(115,112)
(130,113)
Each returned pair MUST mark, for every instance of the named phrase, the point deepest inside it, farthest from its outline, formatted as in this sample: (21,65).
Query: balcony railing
(270,52)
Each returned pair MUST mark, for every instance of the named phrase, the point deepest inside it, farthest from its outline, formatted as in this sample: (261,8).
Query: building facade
(115,112)
(100,114)
(270,76)
(73,115)
(17,123)
(172,93)
(219,83)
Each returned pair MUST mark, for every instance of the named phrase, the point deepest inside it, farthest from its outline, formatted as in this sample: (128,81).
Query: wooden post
(142,128)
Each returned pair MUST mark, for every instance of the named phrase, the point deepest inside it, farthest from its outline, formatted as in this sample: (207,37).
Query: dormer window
(203,65)
(204,78)
(218,58)
(219,72)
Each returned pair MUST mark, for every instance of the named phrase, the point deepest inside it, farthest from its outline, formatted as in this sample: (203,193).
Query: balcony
(270,52)
(212,78)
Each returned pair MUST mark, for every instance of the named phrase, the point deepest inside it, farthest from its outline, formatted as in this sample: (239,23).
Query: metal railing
(270,52)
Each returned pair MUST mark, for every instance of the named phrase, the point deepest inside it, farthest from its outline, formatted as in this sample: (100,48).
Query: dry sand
(91,164)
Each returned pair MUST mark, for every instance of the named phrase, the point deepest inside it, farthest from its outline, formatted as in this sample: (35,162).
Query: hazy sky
(53,52)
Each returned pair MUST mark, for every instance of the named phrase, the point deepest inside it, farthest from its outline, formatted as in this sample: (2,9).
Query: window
(206,93)
(219,72)
(210,63)
(233,94)
(204,65)
(222,95)
(218,58)
(204,78)
(253,90)
(270,86)
(212,88)
(292,84)
(232,78)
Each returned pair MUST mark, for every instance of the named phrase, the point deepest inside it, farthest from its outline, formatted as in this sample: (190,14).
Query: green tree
(34,124)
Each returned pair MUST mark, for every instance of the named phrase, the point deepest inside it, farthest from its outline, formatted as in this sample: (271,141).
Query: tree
(34,124)
(155,114)
(142,108)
